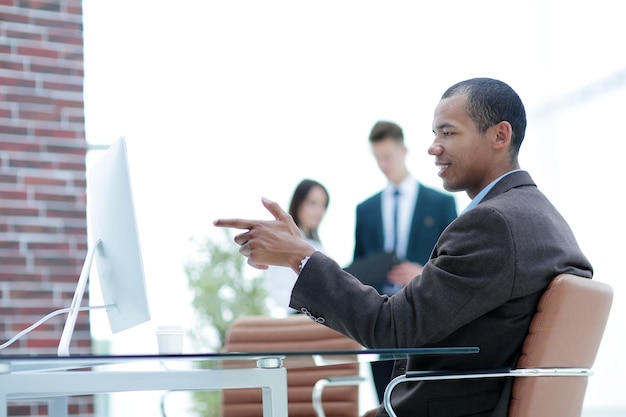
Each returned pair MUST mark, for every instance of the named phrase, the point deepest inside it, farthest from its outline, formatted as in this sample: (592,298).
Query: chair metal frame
(416,376)
(338,381)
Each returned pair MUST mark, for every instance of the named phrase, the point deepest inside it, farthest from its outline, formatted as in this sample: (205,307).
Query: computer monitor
(113,245)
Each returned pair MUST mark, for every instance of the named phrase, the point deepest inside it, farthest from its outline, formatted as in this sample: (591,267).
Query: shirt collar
(479,197)
(405,187)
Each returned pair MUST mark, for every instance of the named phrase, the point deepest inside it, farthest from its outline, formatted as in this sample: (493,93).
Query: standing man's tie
(396,204)
(392,288)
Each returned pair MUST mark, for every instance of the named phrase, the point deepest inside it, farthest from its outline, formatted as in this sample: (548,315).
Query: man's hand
(270,242)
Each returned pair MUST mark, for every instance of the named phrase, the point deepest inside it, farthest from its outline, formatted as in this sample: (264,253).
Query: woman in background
(308,205)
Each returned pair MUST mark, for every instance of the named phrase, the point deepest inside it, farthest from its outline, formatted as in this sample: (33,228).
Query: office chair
(312,391)
(557,354)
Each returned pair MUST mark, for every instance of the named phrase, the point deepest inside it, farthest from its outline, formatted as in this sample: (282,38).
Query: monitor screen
(113,234)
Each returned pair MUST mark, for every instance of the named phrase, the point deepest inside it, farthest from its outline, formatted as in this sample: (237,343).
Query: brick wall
(42,176)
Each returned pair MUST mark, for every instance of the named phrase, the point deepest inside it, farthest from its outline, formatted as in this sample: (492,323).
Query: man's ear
(504,134)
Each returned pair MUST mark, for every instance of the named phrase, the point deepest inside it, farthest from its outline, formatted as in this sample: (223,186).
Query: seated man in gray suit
(485,275)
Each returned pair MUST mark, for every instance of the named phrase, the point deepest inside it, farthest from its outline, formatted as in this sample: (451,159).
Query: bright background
(222,103)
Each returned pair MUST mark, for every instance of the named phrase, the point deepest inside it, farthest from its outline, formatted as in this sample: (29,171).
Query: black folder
(372,270)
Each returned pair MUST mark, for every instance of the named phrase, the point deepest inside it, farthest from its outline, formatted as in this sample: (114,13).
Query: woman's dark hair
(299,195)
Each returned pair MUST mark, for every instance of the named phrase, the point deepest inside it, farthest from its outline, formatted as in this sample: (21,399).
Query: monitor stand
(70,323)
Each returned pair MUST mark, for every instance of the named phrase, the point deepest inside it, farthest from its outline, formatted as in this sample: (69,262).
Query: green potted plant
(221,293)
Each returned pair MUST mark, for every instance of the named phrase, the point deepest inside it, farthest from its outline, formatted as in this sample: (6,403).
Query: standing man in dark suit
(406,218)
(484,278)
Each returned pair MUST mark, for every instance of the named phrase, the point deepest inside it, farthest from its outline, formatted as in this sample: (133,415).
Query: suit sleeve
(470,273)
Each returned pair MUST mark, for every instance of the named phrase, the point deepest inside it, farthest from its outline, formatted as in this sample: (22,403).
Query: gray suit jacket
(480,288)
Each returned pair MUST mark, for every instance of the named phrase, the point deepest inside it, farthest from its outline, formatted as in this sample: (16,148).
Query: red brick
(19,146)
(65,278)
(13,195)
(49,245)
(59,23)
(18,82)
(14,18)
(58,133)
(49,85)
(14,212)
(65,37)
(8,179)
(11,260)
(74,9)
(42,52)
(33,180)
(52,69)
(51,6)
(29,98)
(39,115)
(41,343)
(35,228)
(9,244)
(13,130)
(31,295)
(70,103)
(19,34)
(72,167)
(5,276)
(54,197)
(18,409)
(72,56)
(10,65)
(31,163)
(69,150)
(65,214)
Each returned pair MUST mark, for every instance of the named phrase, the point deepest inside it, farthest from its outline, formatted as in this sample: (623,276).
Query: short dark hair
(299,195)
(384,129)
(490,102)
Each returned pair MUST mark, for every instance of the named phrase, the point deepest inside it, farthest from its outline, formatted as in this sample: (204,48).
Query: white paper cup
(170,339)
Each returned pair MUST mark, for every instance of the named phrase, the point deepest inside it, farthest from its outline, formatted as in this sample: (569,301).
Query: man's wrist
(300,257)
(303,262)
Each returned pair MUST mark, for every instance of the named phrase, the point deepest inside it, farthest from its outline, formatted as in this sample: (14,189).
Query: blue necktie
(396,204)
(392,289)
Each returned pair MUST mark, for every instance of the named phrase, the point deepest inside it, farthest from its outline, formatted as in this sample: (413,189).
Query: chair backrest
(565,331)
(296,332)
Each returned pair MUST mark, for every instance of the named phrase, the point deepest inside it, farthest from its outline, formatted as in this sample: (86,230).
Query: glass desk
(54,378)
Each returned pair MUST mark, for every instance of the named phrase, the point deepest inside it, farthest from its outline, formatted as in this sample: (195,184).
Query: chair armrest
(338,381)
(414,376)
